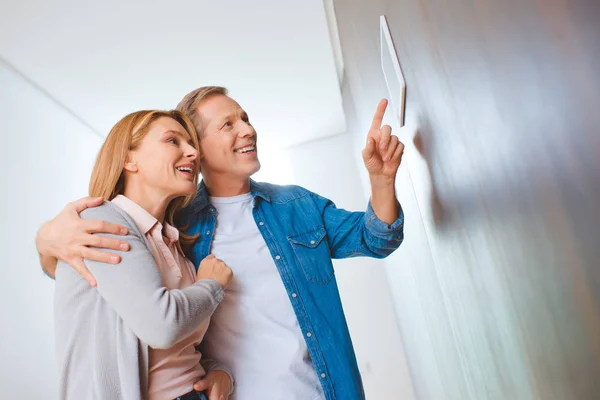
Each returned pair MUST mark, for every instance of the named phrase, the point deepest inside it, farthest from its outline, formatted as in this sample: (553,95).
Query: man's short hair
(191,100)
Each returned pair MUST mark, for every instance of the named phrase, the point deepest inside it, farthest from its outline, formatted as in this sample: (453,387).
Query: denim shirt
(303,232)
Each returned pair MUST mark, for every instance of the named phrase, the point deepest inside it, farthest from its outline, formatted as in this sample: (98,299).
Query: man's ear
(200,152)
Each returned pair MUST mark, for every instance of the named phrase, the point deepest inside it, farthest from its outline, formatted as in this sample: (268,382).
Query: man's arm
(48,265)
(380,230)
(353,234)
(382,156)
(69,238)
(384,201)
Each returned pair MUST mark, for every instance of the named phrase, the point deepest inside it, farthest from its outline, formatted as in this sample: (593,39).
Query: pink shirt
(173,371)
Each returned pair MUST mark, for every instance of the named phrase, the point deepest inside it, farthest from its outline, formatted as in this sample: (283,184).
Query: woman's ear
(130,165)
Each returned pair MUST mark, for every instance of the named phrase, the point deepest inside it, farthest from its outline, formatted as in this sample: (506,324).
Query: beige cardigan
(103,333)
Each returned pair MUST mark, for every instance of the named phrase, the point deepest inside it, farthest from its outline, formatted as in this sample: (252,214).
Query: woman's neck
(151,201)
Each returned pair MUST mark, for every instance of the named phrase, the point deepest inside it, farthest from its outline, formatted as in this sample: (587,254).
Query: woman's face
(166,161)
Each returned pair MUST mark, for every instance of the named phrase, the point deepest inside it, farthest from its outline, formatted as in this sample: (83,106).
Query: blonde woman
(134,335)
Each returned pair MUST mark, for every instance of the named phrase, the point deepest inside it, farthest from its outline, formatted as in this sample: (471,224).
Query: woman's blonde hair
(108,180)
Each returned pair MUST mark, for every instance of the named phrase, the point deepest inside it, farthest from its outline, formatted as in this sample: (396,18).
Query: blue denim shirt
(303,232)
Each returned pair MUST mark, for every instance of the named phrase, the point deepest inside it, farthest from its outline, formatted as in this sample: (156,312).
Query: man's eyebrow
(240,113)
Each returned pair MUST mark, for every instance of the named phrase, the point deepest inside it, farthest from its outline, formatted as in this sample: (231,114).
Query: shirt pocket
(312,252)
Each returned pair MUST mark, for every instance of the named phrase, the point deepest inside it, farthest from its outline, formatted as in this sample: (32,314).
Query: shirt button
(309,334)
(208,232)
(323,375)
(312,242)
(277,258)
(261,223)
(294,295)
(212,209)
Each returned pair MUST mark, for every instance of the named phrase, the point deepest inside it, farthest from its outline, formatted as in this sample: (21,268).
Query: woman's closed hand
(213,268)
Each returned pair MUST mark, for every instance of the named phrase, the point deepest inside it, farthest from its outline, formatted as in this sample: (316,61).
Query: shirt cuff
(381,229)
(214,287)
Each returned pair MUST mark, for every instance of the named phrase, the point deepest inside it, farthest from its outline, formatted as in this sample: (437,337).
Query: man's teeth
(246,149)
(185,169)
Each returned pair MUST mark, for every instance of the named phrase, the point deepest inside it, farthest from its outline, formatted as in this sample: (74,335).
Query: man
(281,328)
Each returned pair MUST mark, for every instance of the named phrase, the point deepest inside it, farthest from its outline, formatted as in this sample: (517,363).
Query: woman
(134,335)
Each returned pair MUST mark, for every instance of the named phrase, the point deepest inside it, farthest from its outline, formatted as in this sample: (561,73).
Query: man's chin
(256,169)
(252,169)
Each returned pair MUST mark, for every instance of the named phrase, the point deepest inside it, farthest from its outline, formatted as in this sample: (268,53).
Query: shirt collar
(202,197)
(142,218)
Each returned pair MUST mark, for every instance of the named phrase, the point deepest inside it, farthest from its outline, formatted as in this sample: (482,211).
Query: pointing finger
(378,117)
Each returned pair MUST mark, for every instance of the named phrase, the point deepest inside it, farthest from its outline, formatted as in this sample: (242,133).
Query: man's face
(228,141)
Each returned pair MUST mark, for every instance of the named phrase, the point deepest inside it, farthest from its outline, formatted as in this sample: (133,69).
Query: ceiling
(102,60)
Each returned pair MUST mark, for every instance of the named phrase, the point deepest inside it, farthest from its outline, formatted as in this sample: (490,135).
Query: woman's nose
(191,152)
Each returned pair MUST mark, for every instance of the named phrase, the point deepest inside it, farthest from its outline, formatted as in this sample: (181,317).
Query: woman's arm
(134,289)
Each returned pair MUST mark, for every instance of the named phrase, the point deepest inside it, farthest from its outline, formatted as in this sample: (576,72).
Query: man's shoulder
(280,193)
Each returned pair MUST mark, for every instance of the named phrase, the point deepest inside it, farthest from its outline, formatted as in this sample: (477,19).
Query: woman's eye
(227,124)
(172,140)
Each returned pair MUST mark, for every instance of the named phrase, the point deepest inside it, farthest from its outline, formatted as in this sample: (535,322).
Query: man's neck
(220,187)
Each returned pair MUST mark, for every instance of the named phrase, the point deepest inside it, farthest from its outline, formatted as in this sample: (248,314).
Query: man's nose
(246,130)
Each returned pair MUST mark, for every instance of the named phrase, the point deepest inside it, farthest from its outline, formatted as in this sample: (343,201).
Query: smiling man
(280,328)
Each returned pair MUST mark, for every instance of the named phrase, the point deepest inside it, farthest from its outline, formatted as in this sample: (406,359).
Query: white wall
(46,157)
(274,55)
(332,168)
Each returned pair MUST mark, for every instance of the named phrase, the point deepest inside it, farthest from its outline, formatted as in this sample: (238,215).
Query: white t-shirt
(254,330)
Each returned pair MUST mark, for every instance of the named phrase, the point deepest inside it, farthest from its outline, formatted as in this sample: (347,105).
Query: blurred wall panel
(497,286)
